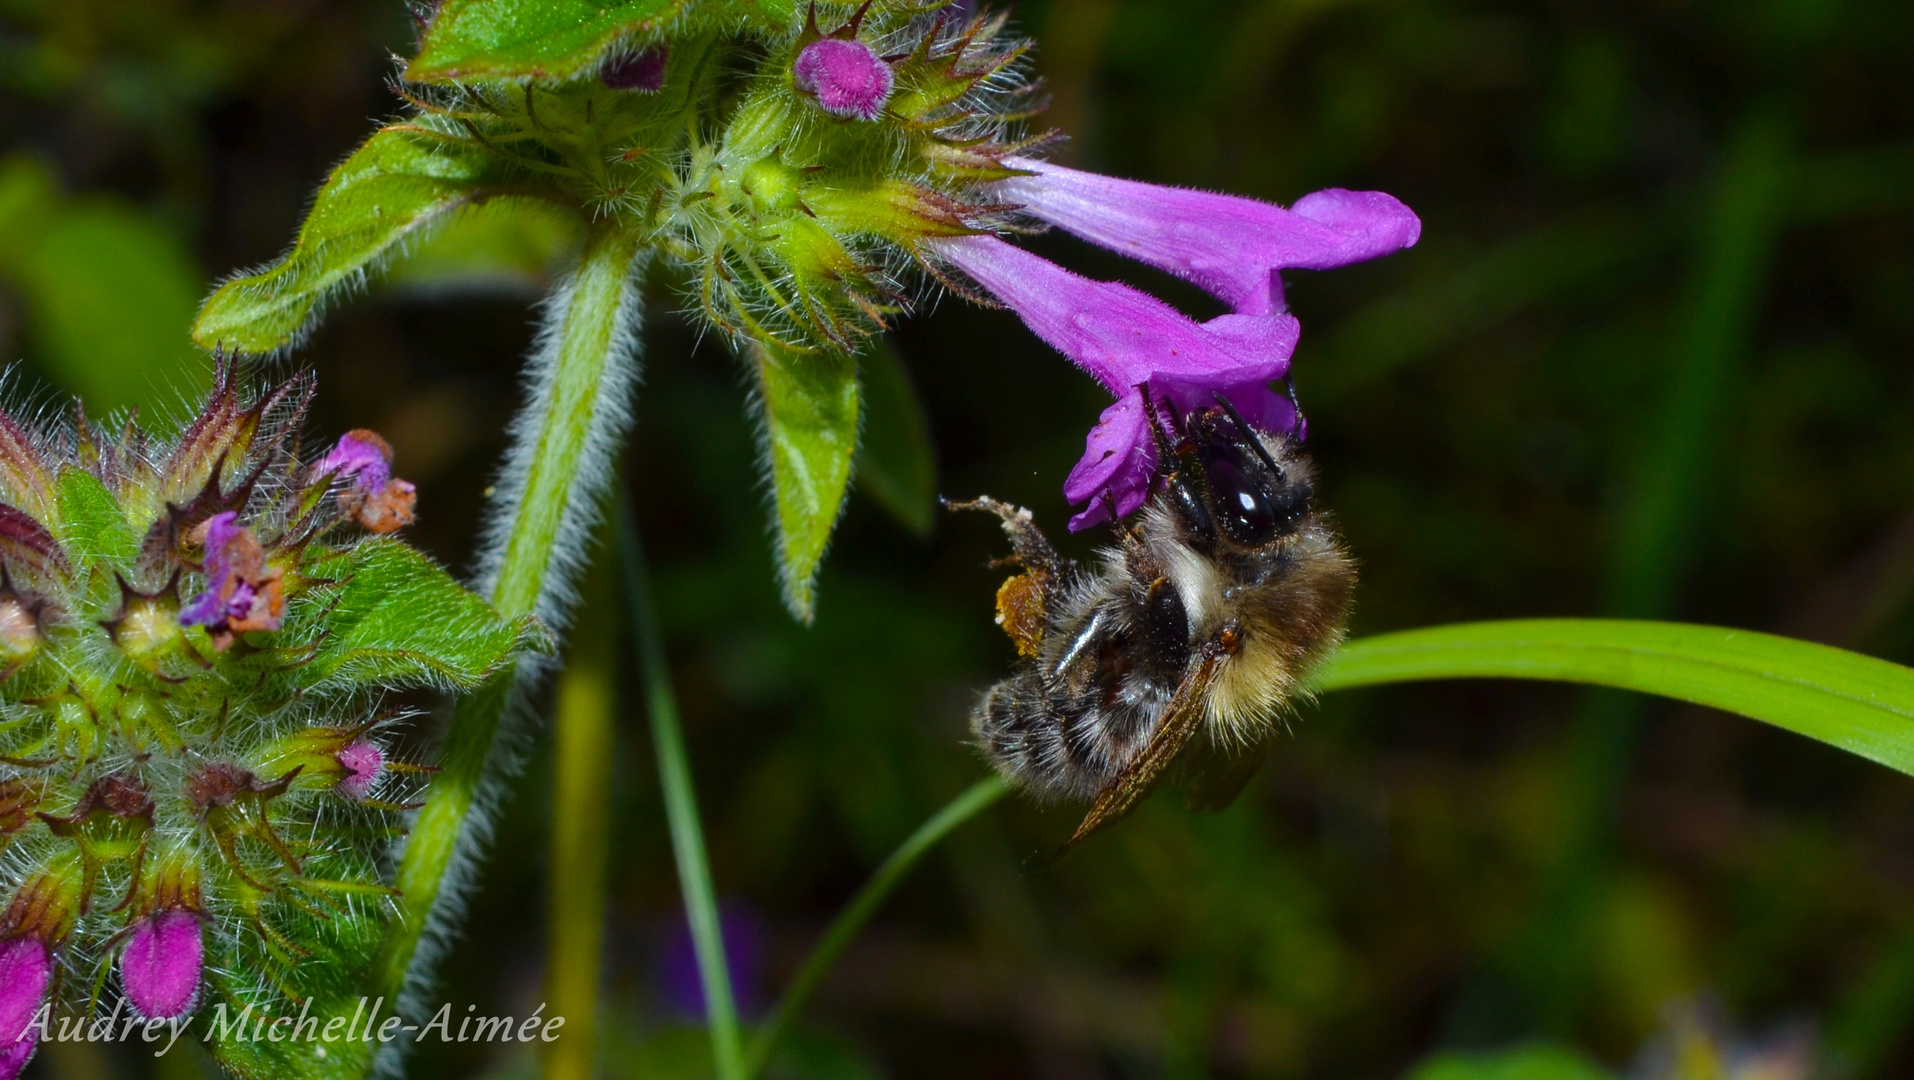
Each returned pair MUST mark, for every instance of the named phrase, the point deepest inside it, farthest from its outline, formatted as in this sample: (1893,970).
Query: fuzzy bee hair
(1189,640)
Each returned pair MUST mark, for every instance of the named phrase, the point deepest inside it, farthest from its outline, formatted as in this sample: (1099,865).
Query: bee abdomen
(1026,734)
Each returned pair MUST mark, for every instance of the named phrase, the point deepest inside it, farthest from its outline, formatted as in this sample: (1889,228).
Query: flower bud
(847,78)
(160,965)
(327,757)
(19,632)
(362,762)
(26,972)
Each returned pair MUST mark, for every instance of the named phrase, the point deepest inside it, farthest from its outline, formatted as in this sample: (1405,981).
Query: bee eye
(1242,510)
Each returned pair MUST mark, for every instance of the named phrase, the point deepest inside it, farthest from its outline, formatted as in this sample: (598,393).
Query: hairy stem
(681,805)
(582,749)
(543,507)
(844,929)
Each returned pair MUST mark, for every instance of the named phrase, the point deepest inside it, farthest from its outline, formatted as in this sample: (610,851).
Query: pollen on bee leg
(1022,609)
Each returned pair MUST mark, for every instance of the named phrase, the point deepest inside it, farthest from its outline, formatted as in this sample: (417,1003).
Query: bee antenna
(1249,433)
(1289,391)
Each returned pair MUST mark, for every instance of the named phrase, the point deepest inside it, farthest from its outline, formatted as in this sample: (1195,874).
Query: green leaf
(400,620)
(809,403)
(896,464)
(401,182)
(1862,705)
(558,39)
(1526,1063)
(92,527)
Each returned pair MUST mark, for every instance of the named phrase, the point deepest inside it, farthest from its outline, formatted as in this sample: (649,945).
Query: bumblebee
(1187,643)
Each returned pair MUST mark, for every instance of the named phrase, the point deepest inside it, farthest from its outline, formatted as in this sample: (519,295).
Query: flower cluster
(195,786)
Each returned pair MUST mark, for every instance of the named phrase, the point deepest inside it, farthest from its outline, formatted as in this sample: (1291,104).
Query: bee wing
(1181,719)
(1217,776)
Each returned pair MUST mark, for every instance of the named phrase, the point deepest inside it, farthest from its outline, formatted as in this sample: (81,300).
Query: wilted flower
(371,496)
(242,592)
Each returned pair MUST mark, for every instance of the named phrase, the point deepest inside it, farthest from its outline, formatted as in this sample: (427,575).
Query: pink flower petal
(362,762)
(160,966)
(1227,244)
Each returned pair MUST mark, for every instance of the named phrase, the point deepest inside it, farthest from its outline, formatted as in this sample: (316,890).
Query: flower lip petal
(1127,339)
(1227,244)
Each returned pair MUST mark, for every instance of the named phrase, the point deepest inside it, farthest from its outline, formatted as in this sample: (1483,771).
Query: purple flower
(643,71)
(26,970)
(848,79)
(362,762)
(744,956)
(161,963)
(1229,245)
(1127,339)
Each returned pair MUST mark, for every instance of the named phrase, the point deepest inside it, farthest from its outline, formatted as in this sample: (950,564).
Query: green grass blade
(975,799)
(681,805)
(1862,705)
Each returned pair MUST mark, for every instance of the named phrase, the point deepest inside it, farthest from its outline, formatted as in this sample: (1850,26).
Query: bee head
(1226,485)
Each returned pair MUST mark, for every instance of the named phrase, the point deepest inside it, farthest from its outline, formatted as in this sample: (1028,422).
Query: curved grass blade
(1858,703)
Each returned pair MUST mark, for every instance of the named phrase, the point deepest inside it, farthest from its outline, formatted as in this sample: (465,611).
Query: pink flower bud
(161,963)
(26,970)
(362,762)
(848,79)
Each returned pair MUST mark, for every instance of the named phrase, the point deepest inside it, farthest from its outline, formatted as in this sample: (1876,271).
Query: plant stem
(681,804)
(582,749)
(975,799)
(562,445)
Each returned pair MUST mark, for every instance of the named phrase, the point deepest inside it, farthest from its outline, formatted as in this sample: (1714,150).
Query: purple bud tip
(161,963)
(643,71)
(849,79)
(26,967)
(362,761)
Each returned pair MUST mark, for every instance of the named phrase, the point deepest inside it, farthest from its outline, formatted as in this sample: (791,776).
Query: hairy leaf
(810,407)
(1862,705)
(896,464)
(400,620)
(558,39)
(399,183)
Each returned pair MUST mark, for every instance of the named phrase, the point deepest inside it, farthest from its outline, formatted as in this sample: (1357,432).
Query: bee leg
(1029,547)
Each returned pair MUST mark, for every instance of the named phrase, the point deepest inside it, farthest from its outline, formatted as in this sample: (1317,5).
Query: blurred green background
(1651,358)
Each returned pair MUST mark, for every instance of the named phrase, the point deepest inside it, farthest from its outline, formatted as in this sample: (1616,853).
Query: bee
(1189,640)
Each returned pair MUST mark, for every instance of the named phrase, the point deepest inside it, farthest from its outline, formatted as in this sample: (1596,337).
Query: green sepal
(92,527)
(472,40)
(401,181)
(398,619)
(895,464)
(809,402)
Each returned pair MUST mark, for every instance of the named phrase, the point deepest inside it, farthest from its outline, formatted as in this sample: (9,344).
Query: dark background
(1651,358)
